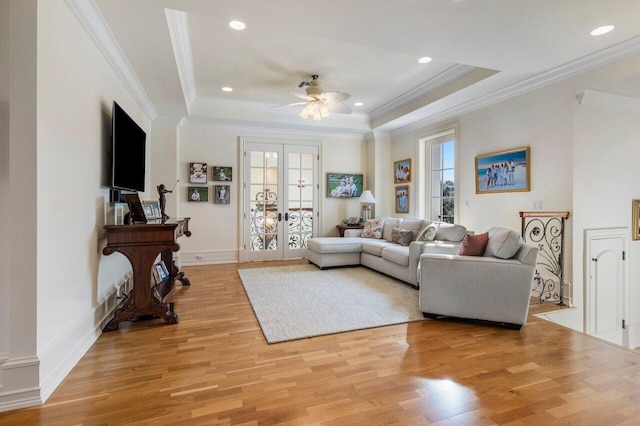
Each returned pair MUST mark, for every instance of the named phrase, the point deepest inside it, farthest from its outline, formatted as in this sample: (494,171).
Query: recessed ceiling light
(237,25)
(602,30)
(358,104)
(424,60)
(227,89)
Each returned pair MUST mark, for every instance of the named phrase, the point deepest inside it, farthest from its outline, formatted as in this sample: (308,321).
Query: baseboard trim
(19,383)
(209,257)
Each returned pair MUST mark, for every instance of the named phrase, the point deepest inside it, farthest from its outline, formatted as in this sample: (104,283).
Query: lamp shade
(367,197)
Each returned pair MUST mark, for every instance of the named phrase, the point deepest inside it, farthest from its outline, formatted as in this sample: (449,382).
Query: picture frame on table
(222,174)
(402,199)
(198,172)
(151,210)
(504,171)
(402,171)
(635,219)
(344,185)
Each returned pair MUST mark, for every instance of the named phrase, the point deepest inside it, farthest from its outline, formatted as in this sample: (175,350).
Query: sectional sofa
(382,254)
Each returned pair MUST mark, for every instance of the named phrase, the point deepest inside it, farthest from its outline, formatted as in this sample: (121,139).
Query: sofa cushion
(335,245)
(503,243)
(389,224)
(415,225)
(441,247)
(401,236)
(396,254)
(375,247)
(372,228)
(450,232)
(474,245)
(428,233)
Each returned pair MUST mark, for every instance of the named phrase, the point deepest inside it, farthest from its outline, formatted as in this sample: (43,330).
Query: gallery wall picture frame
(402,199)
(198,172)
(344,185)
(222,194)
(222,174)
(504,171)
(402,171)
(635,219)
(198,193)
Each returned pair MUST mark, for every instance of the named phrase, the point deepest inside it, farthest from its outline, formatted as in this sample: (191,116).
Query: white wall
(4,180)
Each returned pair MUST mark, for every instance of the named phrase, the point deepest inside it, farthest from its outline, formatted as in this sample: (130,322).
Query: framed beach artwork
(197,172)
(635,219)
(344,185)
(402,199)
(504,171)
(222,194)
(402,171)
(197,193)
(222,174)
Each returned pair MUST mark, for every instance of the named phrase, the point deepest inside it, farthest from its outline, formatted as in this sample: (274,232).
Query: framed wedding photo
(222,174)
(344,185)
(504,171)
(635,219)
(402,171)
(197,172)
(402,199)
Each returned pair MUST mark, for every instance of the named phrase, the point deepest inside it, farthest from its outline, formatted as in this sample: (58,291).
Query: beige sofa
(383,255)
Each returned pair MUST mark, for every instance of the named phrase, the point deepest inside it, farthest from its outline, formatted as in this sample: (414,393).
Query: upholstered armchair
(495,286)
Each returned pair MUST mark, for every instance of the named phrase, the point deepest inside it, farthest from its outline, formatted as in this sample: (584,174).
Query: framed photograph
(504,171)
(402,199)
(197,193)
(151,210)
(344,185)
(221,174)
(222,194)
(402,171)
(197,172)
(136,212)
(635,219)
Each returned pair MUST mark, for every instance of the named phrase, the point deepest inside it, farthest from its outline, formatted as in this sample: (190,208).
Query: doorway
(280,198)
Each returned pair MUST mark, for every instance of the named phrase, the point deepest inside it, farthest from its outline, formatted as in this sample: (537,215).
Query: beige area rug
(298,301)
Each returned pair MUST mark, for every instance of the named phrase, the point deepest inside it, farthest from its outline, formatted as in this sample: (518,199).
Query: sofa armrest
(415,250)
(350,233)
(484,288)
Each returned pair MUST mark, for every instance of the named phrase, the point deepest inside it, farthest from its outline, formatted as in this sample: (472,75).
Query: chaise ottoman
(327,252)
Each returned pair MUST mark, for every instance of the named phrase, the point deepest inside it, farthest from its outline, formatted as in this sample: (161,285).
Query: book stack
(160,272)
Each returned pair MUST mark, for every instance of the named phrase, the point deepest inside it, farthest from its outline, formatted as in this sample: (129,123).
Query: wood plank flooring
(215,367)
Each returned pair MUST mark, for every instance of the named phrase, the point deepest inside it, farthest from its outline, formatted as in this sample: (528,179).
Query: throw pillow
(451,232)
(401,236)
(389,224)
(372,228)
(474,245)
(428,233)
(503,243)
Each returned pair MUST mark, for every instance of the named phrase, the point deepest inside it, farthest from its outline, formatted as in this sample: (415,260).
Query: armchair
(478,287)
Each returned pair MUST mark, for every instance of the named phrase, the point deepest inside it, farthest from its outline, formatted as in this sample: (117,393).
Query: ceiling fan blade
(339,108)
(303,84)
(293,104)
(332,97)
(301,96)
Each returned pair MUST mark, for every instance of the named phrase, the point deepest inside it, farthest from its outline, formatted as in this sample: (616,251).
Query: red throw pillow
(474,245)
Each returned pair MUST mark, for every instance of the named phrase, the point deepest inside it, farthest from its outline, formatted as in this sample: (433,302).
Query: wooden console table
(141,244)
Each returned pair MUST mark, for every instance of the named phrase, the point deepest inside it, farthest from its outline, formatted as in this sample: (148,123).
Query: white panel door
(606,284)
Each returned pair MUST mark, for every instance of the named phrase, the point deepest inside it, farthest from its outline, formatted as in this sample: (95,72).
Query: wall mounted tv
(129,146)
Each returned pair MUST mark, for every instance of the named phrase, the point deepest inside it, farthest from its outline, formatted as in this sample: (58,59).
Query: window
(440,177)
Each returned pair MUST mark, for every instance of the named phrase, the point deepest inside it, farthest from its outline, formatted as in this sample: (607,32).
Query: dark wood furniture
(342,228)
(141,244)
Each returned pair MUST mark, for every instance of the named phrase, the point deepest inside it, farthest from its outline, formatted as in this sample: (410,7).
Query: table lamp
(367,199)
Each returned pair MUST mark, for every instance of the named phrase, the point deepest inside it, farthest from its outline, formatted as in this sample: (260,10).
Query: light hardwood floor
(215,367)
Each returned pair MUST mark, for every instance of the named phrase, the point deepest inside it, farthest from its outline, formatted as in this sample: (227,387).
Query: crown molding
(597,99)
(581,65)
(455,72)
(93,22)
(178,22)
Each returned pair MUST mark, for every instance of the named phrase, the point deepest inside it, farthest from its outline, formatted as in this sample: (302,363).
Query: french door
(280,197)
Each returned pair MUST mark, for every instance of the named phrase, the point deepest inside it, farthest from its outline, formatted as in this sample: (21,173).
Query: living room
(56,93)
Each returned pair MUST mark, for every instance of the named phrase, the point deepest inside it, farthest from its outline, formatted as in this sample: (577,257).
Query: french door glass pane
(300,181)
(263,193)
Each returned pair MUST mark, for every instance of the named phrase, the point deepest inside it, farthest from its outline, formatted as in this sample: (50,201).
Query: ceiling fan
(318,103)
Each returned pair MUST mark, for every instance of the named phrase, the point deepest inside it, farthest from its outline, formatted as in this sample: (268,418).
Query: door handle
(286,217)
(279,217)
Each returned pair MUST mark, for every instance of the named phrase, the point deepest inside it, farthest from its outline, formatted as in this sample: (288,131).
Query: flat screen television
(129,148)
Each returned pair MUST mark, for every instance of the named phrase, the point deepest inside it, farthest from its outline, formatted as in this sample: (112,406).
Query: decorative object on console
(402,199)
(344,185)
(373,228)
(222,194)
(505,171)
(162,199)
(367,199)
(401,236)
(197,172)
(402,171)
(136,212)
(635,219)
(222,174)
(151,210)
(473,245)
(198,193)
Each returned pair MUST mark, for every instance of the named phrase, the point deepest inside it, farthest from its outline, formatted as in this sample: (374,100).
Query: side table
(342,228)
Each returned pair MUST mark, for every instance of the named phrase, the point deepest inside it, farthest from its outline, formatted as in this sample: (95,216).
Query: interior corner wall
(379,173)
(164,154)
